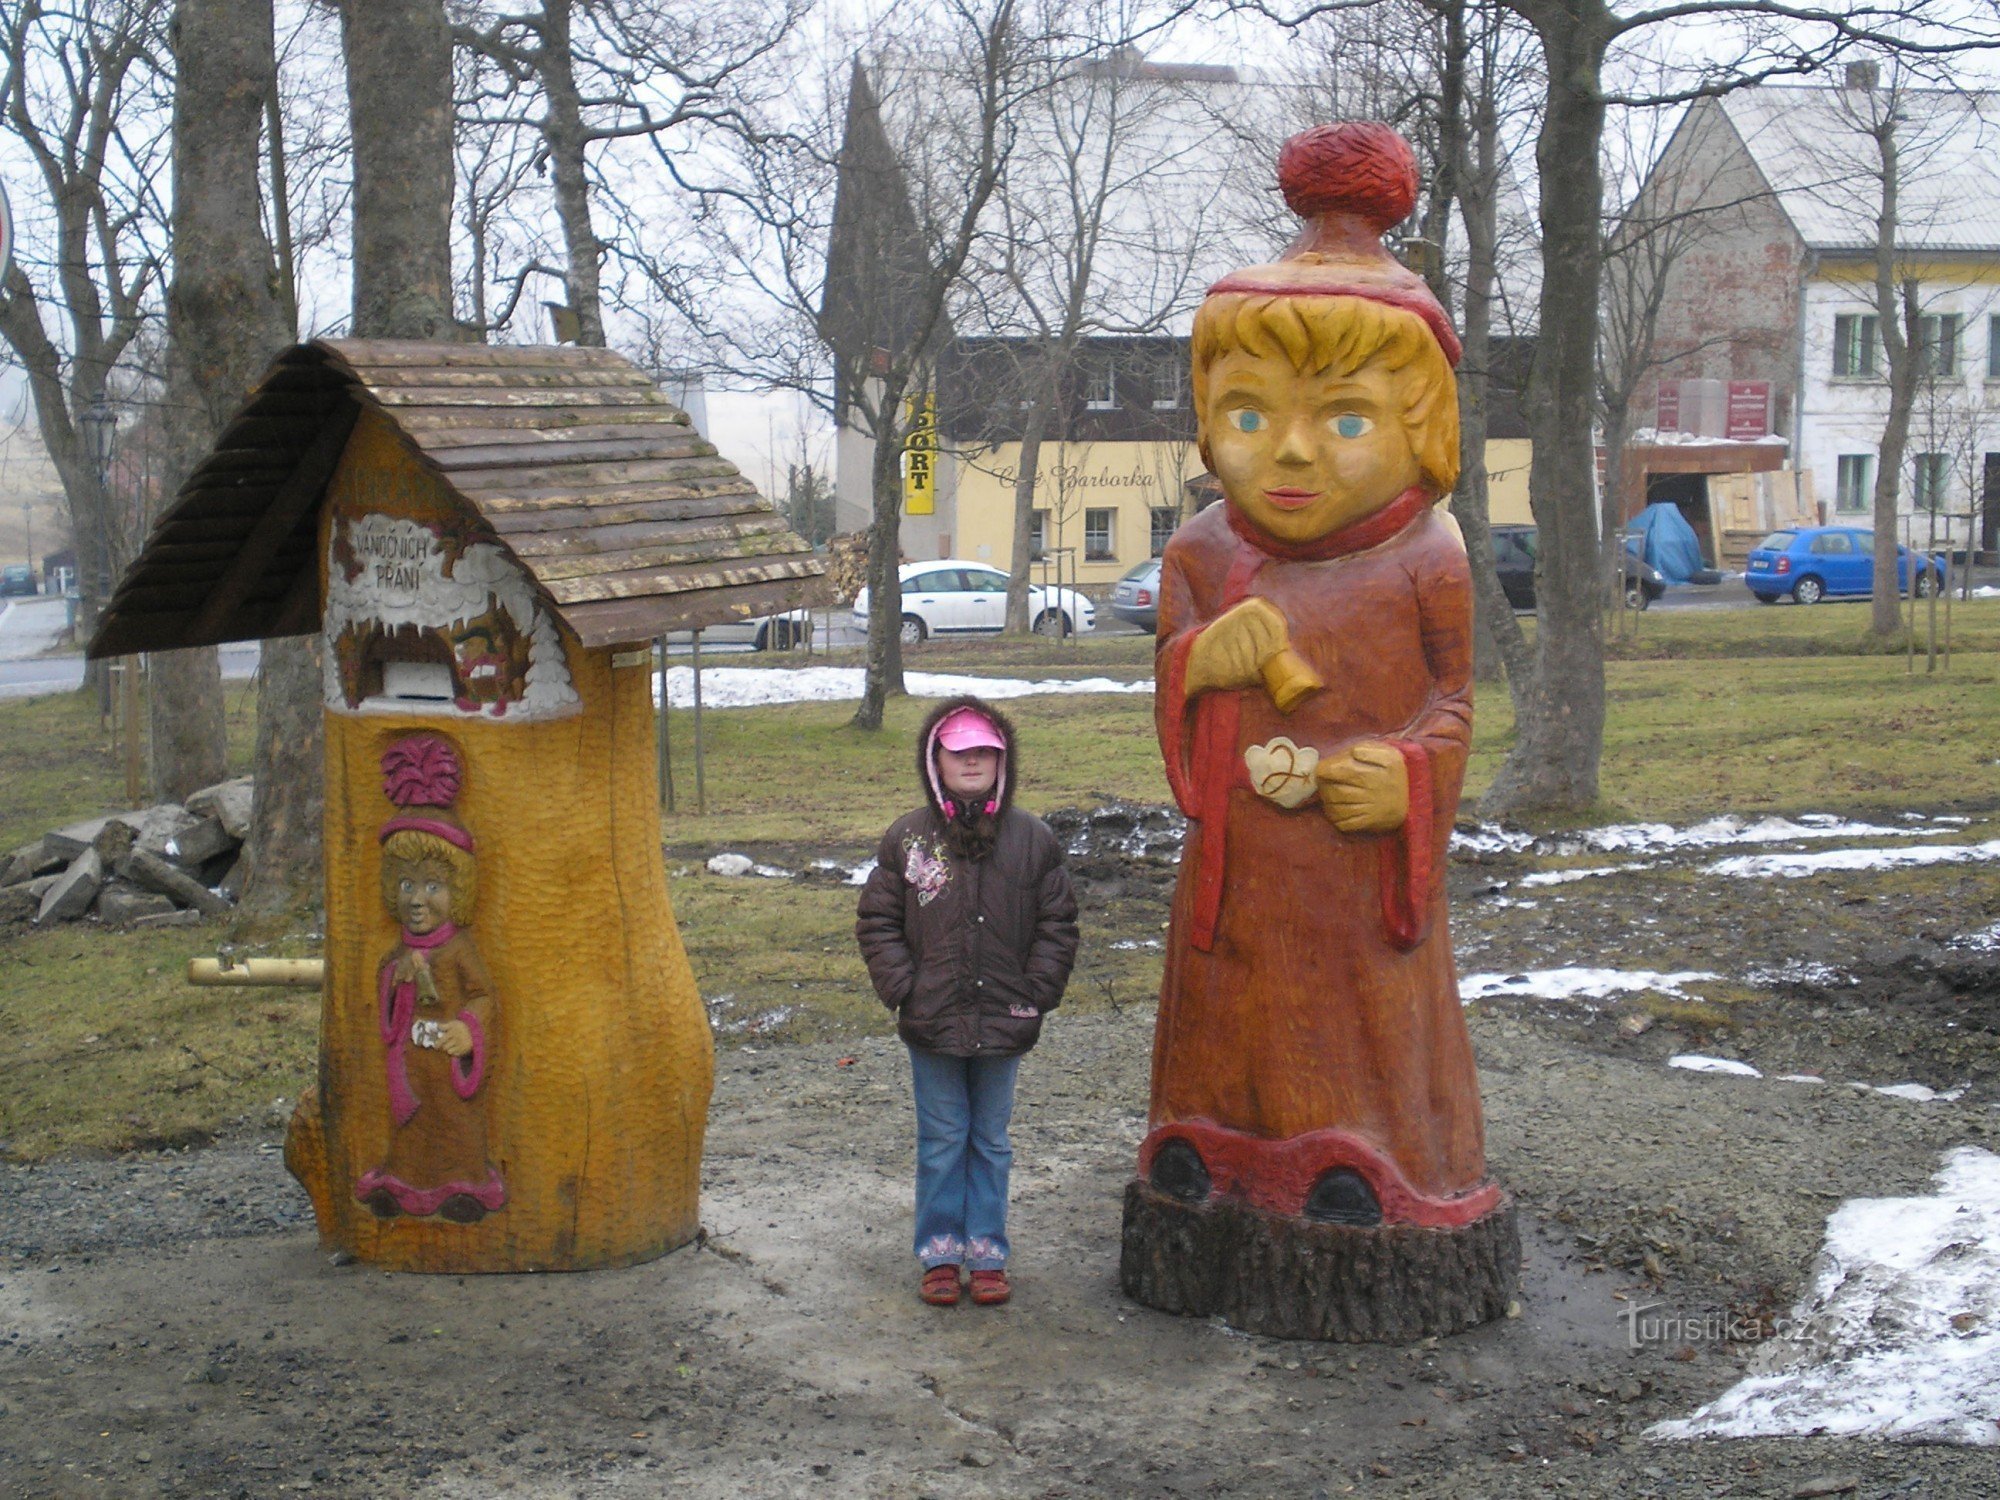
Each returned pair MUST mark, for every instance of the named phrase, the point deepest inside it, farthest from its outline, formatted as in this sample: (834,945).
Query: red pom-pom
(1361,168)
(422,771)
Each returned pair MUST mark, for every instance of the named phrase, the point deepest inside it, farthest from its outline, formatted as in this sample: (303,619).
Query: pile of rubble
(160,866)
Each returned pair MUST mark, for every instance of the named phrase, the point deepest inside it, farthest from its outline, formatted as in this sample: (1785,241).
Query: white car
(760,633)
(954,597)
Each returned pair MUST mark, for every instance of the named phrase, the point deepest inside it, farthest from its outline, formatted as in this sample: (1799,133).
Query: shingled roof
(626,517)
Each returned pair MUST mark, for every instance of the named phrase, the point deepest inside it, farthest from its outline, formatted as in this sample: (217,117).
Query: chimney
(1865,77)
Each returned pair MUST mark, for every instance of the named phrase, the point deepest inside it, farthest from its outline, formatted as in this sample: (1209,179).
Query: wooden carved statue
(437,1011)
(1314,1164)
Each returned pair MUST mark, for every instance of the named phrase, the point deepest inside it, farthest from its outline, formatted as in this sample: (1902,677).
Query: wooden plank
(512,377)
(655,424)
(623,395)
(421,421)
(525,478)
(296,500)
(551,570)
(515,524)
(615,622)
(503,500)
(587,538)
(406,352)
(677,580)
(670,442)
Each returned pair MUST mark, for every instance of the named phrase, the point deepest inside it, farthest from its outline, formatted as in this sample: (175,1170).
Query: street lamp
(100,434)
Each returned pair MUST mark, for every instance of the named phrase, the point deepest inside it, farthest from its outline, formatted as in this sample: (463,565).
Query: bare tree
(579,73)
(1107,223)
(223,319)
(85,91)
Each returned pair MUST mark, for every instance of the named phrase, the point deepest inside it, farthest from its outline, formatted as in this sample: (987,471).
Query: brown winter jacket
(969,953)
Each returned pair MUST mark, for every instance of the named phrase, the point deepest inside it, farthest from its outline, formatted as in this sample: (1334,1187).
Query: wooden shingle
(624,515)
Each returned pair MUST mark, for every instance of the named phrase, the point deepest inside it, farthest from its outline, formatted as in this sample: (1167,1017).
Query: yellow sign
(920,456)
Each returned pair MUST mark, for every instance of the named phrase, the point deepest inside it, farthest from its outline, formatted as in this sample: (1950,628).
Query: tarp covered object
(1667,541)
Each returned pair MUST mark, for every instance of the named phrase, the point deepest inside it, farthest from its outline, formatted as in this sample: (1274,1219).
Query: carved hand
(1232,649)
(1366,789)
(455,1038)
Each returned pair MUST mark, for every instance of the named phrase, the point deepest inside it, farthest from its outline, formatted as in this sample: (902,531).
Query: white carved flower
(1283,771)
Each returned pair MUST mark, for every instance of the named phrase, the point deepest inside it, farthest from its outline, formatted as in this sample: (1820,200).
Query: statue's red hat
(1351,183)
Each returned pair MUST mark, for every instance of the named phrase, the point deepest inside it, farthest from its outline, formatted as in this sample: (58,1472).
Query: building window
(1856,484)
(1165,519)
(1170,382)
(1097,535)
(1937,343)
(1038,535)
(1854,343)
(1100,392)
(1993,347)
(1933,476)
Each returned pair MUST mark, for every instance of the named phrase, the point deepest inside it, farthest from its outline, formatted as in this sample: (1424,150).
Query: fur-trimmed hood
(927,774)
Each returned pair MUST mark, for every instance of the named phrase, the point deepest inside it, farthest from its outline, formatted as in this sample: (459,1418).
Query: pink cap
(969,729)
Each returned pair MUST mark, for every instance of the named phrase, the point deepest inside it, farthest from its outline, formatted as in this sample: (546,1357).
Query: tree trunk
(399,102)
(563,129)
(223,320)
(1024,508)
(885,588)
(1897,318)
(1560,734)
(1497,636)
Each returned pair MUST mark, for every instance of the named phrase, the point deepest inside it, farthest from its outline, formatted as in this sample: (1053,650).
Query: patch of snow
(736,865)
(1718,832)
(1694,1062)
(751,687)
(1577,984)
(1491,838)
(1917,1093)
(1898,1336)
(1133,943)
(1800,1078)
(1983,941)
(1801,971)
(1794,866)
(860,873)
(1564,877)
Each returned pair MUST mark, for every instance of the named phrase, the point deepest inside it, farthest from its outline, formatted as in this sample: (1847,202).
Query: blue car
(1813,563)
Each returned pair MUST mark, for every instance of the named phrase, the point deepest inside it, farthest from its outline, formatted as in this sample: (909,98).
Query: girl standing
(968,927)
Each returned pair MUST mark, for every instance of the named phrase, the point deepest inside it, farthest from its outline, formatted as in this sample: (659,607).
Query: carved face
(422,895)
(1305,455)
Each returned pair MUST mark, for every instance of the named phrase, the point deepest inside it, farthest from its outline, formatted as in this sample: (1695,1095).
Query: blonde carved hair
(410,848)
(1337,336)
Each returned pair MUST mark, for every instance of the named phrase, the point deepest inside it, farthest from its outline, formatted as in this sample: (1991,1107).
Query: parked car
(760,633)
(1812,563)
(1514,561)
(1136,596)
(954,597)
(16,578)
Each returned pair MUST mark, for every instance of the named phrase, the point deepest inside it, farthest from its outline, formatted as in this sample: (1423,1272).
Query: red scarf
(398,1008)
(1216,769)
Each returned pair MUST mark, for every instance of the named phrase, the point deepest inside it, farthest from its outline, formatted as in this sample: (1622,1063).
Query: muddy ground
(167,1324)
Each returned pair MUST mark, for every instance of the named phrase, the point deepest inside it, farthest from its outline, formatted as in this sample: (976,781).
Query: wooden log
(1296,1278)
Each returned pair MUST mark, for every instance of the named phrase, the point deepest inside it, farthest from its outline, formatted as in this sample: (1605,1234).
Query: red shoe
(940,1286)
(989,1288)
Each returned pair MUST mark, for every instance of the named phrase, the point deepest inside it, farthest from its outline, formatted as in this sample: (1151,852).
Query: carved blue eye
(1246,420)
(1351,425)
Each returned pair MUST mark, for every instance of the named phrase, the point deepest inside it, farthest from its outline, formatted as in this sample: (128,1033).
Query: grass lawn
(103,1046)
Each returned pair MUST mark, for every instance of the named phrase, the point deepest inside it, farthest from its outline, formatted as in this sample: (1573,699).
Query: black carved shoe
(1343,1197)
(1178,1172)
(462,1208)
(382,1203)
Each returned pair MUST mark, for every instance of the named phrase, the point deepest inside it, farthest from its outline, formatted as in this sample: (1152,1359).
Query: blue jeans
(963,1105)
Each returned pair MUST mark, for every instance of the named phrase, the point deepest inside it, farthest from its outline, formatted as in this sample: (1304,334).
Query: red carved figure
(436,1009)
(1314,708)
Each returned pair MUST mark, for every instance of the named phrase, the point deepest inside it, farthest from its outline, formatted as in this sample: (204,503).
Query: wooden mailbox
(514,1064)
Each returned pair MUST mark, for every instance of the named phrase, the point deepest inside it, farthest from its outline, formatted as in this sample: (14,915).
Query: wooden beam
(294,498)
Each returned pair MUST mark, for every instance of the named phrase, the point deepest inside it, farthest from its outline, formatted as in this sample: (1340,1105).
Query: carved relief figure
(1314,709)
(438,1016)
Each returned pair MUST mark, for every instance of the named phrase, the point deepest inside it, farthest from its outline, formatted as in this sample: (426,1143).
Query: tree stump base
(1300,1279)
